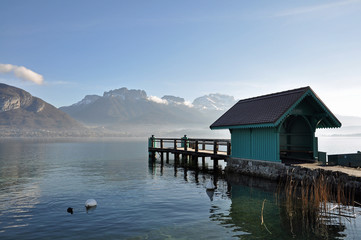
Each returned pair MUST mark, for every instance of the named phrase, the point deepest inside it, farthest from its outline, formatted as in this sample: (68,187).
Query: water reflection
(143,202)
(19,183)
(19,163)
(261,209)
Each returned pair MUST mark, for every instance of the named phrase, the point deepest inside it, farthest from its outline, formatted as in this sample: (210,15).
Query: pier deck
(216,149)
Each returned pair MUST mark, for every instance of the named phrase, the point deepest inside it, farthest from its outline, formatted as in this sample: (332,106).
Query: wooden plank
(191,147)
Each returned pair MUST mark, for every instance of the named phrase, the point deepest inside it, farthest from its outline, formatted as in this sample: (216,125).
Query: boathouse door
(296,139)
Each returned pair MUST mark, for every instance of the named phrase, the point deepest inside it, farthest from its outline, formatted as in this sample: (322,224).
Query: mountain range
(121,112)
(123,106)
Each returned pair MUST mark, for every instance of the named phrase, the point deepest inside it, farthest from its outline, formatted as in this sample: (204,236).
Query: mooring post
(184,142)
(151,141)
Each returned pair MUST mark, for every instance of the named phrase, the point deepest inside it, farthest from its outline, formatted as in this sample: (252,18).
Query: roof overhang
(325,120)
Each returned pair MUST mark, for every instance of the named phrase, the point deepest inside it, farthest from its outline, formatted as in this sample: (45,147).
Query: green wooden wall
(293,135)
(256,143)
(241,143)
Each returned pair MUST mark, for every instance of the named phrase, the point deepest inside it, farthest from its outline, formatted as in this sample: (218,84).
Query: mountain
(351,126)
(122,107)
(173,100)
(19,110)
(126,94)
(214,101)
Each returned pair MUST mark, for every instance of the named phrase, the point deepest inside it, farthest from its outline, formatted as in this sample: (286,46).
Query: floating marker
(90,203)
(70,210)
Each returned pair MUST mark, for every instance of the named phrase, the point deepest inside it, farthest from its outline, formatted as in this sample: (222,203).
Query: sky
(63,50)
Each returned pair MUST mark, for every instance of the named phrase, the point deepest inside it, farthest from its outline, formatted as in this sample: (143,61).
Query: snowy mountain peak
(124,94)
(88,99)
(214,101)
(173,99)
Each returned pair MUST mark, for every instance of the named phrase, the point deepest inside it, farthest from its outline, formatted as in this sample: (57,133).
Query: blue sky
(185,48)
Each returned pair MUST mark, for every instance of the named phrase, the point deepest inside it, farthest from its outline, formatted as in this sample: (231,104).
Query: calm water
(136,200)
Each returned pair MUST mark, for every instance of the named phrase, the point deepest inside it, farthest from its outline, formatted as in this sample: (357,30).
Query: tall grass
(315,199)
(318,190)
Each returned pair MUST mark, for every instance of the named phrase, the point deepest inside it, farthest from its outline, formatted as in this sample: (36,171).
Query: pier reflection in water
(263,209)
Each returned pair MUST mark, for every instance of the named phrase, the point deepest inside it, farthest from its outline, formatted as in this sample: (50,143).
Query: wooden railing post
(196,146)
(175,144)
(204,145)
(161,143)
(228,148)
(215,147)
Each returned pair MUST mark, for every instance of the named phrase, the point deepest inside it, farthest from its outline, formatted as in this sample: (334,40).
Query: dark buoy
(70,210)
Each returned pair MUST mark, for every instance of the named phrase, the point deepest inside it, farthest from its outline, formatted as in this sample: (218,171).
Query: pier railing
(192,146)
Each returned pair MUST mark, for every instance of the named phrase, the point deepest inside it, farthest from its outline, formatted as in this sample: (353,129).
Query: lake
(40,179)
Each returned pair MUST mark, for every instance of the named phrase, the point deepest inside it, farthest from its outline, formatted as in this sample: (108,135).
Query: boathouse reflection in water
(283,217)
(261,209)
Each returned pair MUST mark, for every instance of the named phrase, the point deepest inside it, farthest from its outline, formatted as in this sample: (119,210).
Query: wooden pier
(215,149)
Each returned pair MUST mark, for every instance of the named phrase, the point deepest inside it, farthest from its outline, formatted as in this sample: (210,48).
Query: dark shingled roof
(265,109)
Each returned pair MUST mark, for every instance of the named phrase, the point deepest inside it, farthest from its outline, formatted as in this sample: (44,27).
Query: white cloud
(22,72)
(188,104)
(157,100)
(309,9)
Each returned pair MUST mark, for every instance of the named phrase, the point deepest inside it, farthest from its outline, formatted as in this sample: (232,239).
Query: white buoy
(210,185)
(90,203)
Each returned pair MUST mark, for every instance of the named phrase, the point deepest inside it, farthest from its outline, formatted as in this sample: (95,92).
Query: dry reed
(317,194)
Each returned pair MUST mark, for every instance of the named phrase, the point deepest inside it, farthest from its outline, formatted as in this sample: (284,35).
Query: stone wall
(258,168)
(282,173)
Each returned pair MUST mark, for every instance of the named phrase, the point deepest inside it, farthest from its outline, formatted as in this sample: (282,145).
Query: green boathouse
(277,127)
